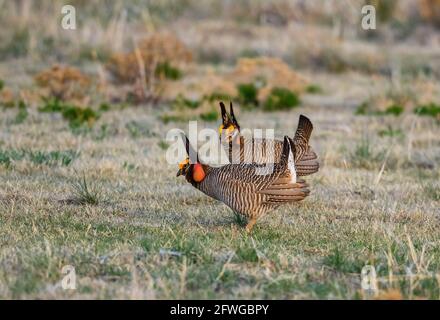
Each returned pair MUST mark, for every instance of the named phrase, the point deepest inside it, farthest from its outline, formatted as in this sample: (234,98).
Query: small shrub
(169,72)
(313,89)
(76,116)
(247,94)
(63,83)
(182,102)
(361,109)
(394,109)
(267,73)
(219,96)
(160,55)
(431,109)
(281,99)
(104,107)
(22,113)
(209,116)
(2,84)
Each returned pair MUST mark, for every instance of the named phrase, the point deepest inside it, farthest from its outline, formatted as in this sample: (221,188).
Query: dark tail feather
(308,163)
(225,117)
(304,131)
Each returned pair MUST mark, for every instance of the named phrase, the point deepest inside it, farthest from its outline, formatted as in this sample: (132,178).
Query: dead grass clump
(390,294)
(430,11)
(64,83)
(156,57)
(7,98)
(153,60)
(267,73)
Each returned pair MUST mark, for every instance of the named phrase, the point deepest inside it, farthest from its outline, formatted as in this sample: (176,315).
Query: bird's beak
(179,173)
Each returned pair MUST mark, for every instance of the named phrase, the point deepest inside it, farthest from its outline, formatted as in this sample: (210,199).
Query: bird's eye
(184,163)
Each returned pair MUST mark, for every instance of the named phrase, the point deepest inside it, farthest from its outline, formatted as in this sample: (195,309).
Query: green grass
(393,109)
(431,109)
(313,89)
(76,116)
(22,113)
(134,230)
(86,192)
(181,103)
(209,116)
(367,154)
(247,94)
(168,71)
(281,99)
(391,132)
(65,158)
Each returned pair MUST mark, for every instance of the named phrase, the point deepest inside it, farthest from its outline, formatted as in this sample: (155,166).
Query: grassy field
(103,199)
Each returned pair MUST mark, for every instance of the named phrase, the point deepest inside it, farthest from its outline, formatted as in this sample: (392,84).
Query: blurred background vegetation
(182,57)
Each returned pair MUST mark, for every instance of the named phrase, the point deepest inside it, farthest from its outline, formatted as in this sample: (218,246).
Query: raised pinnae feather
(232,115)
(225,117)
(192,154)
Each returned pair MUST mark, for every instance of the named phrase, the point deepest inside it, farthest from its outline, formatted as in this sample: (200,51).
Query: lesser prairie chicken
(242,187)
(259,150)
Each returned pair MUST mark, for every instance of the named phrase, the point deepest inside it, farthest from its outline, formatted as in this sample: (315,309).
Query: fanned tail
(308,164)
(306,160)
(285,187)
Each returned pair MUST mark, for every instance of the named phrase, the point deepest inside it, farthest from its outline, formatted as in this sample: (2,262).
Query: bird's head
(229,130)
(194,172)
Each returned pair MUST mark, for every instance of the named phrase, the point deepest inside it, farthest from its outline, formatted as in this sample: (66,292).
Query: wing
(283,190)
(308,164)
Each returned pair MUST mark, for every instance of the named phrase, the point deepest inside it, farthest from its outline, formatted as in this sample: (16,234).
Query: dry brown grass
(140,232)
(64,83)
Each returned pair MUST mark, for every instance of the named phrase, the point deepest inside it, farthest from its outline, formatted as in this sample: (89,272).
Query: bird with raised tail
(242,187)
(255,150)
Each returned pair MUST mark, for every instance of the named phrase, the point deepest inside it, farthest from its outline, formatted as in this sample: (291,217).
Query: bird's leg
(250,224)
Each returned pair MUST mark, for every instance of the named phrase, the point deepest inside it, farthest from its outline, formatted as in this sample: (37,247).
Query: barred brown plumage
(254,150)
(244,190)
